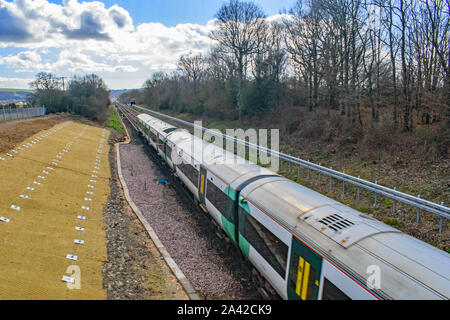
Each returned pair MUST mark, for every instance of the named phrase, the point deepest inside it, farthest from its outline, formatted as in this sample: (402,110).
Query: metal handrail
(417,202)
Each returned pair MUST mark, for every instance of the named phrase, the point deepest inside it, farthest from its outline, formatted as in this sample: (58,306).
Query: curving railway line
(301,244)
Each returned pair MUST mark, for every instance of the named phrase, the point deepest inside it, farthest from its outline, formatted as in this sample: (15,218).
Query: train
(305,245)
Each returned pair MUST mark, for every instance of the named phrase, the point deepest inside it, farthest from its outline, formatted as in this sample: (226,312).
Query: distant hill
(116,93)
(8,95)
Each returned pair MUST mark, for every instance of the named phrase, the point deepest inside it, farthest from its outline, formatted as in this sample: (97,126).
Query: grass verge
(113,120)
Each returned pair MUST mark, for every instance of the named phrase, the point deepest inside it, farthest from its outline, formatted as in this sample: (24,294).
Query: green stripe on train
(244,245)
(244,204)
(230,193)
(165,148)
(229,228)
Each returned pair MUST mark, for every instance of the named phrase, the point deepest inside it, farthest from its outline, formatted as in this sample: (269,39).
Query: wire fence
(373,187)
(20,113)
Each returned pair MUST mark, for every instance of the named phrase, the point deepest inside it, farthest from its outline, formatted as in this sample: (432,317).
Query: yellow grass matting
(68,168)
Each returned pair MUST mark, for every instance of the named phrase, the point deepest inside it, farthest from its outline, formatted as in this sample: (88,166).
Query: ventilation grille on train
(336,222)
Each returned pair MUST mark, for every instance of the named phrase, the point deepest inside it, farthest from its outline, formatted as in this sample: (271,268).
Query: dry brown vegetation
(415,163)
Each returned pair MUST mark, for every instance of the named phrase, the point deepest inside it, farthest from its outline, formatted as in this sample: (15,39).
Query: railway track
(219,238)
(211,185)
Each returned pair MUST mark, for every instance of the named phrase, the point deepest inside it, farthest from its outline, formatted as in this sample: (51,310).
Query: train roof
(225,165)
(146,118)
(162,127)
(410,268)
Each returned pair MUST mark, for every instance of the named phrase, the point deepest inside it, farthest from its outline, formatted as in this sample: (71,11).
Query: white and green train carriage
(318,248)
(305,245)
(156,132)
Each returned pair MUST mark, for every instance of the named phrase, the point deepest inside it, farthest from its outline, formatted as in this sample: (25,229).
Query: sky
(123,41)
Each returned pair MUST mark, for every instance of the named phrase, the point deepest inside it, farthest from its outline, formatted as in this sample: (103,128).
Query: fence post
(343,184)
(331,180)
(375,197)
(418,212)
(319,173)
(394,203)
(308,171)
(441,221)
(358,191)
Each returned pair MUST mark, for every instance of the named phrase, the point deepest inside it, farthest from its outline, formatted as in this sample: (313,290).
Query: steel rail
(395,195)
(126,113)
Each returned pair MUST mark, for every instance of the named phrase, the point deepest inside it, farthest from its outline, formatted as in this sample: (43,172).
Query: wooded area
(87,96)
(367,63)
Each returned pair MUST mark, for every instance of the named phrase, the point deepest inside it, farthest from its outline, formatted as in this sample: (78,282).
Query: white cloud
(86,37)
(79,62)
(25,61)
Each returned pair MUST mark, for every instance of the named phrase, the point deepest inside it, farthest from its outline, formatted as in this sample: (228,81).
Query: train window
(218,199)
(266,243)
(190,172)
(168,151)
(153,136)
(169,130)
(331,292)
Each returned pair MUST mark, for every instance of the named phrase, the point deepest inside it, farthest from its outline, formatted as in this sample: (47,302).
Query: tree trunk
(240,82)
(447,115)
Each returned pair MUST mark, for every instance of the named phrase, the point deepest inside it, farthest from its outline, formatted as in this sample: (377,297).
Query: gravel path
(134,270)
(186,233)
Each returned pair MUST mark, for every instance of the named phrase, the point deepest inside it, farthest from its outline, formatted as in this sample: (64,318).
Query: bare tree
(192,67)
(303,43)
(385,59)
(388,19)
(438,12)
(240,32)
(46,81)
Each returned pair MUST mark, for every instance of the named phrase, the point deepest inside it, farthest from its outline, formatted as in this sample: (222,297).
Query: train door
(202,185)
(165,150)
(304,272)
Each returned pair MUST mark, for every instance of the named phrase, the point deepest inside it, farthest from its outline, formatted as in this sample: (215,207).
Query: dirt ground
(15,131)
(189,237)
(54,182)
(35,243)
(135,269)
